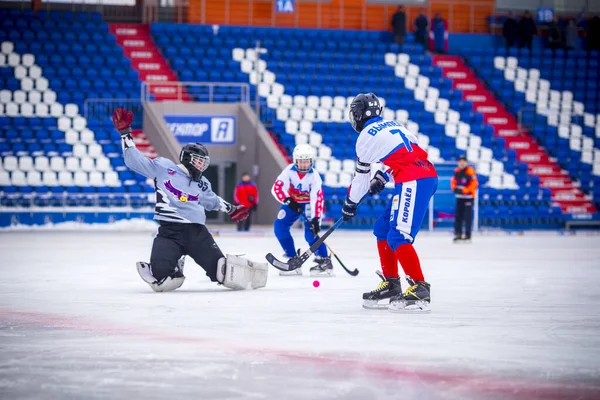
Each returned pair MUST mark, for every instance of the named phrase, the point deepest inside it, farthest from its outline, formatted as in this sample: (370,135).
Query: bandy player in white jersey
(415,180)
(297,186)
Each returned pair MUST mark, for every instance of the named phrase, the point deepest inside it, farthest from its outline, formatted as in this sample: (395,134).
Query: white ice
(513,317)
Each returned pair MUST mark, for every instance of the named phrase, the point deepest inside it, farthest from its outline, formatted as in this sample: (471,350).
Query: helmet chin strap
(190,173)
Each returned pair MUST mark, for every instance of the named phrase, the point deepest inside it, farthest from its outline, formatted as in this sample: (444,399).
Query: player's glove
(238,213)
(378,183)
(122,120)
(458,191)
(315,226)
(291,203)
(349,209)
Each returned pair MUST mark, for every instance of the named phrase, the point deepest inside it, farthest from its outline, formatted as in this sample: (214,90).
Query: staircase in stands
(564,191)
(147,60)
(142,143)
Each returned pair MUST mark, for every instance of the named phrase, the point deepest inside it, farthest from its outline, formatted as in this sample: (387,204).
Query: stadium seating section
(53,62)
(557,96)
(51,154)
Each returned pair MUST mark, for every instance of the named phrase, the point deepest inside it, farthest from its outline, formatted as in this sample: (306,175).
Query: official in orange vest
(464,183)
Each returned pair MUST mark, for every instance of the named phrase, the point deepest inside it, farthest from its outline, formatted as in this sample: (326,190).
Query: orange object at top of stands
(467,16)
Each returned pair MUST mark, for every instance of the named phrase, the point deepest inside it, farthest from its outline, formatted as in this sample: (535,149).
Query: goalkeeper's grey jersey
(178,198)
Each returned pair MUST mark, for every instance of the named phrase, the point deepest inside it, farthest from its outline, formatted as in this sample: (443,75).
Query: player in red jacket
(246,194)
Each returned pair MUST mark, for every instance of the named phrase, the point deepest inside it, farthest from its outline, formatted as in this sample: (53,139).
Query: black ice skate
(416,298)
(294,272)
(457,239)
(324,267)
(387,289)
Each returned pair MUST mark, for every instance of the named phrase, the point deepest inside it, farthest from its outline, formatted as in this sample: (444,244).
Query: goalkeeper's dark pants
(175,240)
(463,215)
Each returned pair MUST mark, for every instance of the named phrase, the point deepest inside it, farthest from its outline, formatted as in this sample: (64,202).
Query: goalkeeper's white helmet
(303,152)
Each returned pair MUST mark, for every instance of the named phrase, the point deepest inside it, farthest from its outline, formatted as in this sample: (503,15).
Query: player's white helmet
(301,153)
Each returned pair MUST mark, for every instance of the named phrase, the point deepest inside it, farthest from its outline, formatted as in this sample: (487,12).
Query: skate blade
(295,272)
(417,307)
(322,274)
(374,305)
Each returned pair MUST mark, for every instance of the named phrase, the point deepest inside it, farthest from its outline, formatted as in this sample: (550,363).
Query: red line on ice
(514,388)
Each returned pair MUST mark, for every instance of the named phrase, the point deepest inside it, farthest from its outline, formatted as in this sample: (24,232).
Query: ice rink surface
(513,317)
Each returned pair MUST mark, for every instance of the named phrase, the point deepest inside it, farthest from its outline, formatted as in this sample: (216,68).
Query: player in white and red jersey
(415,180)
(297,186)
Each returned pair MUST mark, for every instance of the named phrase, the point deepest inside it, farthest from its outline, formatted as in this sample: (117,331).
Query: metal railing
(102,109)
(462,15)
(68,202)
(209,92)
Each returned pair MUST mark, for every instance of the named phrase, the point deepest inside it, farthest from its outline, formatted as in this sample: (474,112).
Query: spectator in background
(510,31)
(527,31)
(421,25)
(246,194)
(399,25)
(438,28)
(571,35)
(593,34)
(464,184)
(554,35)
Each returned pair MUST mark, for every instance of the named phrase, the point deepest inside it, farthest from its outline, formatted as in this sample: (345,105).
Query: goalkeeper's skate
(167,284)
(387,289)
(324,267)
(416,299)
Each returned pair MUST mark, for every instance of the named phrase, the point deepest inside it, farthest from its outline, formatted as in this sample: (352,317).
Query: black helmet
(194,156)
(363,108)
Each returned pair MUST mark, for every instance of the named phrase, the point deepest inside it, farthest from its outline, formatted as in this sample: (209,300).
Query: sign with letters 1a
(284,6)
(203,129)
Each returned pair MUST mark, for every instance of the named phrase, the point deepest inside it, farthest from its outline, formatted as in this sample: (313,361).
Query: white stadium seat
(26,84)
(4,178)
(96,179)
(5,96)
(19,96)
(57,163)
(26,110)
(72,164)
(87,164)
(335,165)
(103,164)
(331,179)
(79,123)
(42,163)
(321,166)
(299,101)
(18,178)
(327,102)
(80,178)
(80,150)
(391,59)
(41,110)
(28,60)
(26,163)
(305,126)
(291,126)
(64,123)
(49,178)
(111,179)
(11,163)
(348,166)
(34,178)
(312,102)
(65,178)
(49,96)
(324,152)
(71,137)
